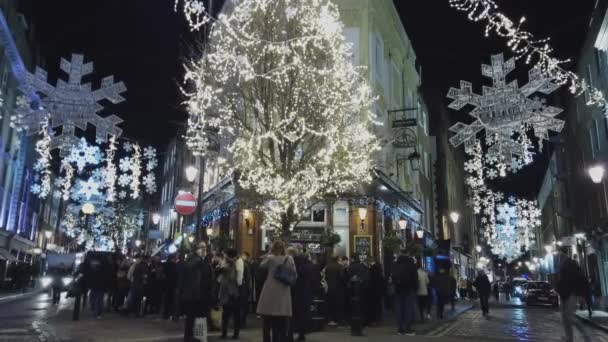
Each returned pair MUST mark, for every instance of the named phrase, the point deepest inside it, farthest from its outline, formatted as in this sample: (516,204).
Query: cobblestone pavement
(24,319)
(513,324)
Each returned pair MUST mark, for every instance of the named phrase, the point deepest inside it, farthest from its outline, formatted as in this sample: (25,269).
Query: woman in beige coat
(274,304)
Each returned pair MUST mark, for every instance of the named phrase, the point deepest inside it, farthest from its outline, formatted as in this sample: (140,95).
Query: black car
(540,292)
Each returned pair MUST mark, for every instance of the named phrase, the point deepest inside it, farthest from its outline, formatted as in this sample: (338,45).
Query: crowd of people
(223,288)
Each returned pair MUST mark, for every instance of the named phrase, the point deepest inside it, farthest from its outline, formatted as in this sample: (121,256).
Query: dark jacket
(377,282)
(170,270)
(196,284)
(405,275)
(442,283)
(335,277)
(358,271)
(301,292)
(571,279)
(482,284)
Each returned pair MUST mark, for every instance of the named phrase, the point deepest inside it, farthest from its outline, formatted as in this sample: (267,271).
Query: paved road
(513,324)
(24,319)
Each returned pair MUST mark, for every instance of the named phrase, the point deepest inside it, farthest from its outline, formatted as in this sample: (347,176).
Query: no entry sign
(185,203)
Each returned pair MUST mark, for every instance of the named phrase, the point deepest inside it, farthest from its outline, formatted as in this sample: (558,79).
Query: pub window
(318,215)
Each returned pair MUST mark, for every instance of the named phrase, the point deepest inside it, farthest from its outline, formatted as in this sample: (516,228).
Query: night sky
(144,43)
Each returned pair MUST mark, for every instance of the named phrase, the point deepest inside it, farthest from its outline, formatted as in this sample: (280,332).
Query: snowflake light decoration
(125,164)
(71,104)
(124,180)
(89,188)
(83,154)
(150,183)
(43,164)
(67,179)
(135,171)
(505,110)
(525,45)
(110,171)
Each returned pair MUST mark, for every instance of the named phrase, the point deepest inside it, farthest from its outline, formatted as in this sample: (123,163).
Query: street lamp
(402,223)
(137,243)
(48,234)
(362,215)
(414,159)
(454,216)
(88,208)
(191,173)
(596,173)
(420,233)
(190,238)
(155,218)
(478,248)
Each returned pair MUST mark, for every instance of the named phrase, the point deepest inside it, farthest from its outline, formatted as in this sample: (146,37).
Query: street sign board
(185,203)
(404,123)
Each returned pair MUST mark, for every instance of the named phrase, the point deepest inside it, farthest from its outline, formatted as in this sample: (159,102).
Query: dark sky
(143,43)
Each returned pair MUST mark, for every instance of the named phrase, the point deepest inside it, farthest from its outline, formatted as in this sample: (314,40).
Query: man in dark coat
(442,283)
(195,284)
(376,293)
(334,277)
(405,280)
(570,285)
(484,288)
(301,294)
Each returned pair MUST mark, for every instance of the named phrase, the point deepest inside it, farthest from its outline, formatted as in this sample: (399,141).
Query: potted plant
(329,238)
(391,242)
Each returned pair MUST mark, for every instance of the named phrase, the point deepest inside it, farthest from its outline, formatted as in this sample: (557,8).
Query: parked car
(540,292)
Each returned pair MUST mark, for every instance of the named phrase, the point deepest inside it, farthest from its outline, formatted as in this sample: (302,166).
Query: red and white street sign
(185,203)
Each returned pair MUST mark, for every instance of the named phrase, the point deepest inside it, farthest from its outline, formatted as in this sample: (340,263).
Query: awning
(6,255)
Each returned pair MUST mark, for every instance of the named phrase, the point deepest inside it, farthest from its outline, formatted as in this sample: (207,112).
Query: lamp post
(155,218)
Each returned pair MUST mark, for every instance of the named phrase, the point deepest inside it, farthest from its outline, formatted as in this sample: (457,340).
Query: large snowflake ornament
(150,183)
(71,104)
(504,110)
(89,188)
(124,180)
(83,154)
(125,164)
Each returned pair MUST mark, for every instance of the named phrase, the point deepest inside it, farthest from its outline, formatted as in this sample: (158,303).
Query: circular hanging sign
(185,203)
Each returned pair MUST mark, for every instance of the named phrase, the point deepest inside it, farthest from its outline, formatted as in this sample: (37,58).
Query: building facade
(575,209)
(19,220)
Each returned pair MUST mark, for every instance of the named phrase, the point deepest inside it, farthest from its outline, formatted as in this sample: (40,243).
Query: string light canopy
(290,153)
(524,45)
(506,113)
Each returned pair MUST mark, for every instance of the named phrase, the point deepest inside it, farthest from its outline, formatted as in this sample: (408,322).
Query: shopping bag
(200,329)
(216,318)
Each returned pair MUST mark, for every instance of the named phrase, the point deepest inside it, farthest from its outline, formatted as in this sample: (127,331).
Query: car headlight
(46,281)
(67,280)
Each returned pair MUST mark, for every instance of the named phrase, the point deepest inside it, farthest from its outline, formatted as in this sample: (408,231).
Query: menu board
(363,245)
